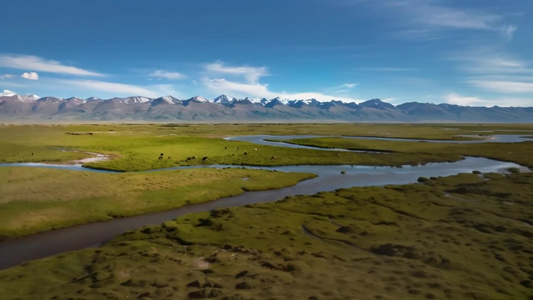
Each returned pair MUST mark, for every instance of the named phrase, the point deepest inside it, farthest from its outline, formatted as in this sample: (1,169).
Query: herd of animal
(162,156)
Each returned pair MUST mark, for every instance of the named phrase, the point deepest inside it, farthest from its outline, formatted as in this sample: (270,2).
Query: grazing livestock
(161,156)
(80,133)
(273,157)
(245,153)
(225,148)
(204,158)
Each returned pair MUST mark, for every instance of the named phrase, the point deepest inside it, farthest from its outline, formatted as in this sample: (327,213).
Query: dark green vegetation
(459,237)
(39,199)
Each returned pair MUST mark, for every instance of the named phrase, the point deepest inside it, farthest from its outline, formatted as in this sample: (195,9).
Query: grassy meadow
(40,199)
(135,147)
(458,237)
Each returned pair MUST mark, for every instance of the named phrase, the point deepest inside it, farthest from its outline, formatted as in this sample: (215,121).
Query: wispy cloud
(457,99)
(428,18)
(167,75)
(25,75)
(251,74)
(508,31)
(495,71)
(489,61)
(30,75)
(454,98)
(429,12)
(503,86)
(30,62)
(244,89)
(7,76)
(347,85)
(419,35)
(387,69)
(246,83)
(118,88)
(239,89)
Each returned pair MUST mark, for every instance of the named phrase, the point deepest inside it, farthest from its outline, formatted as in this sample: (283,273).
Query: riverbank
(394,242)
(38,199)
(329,178)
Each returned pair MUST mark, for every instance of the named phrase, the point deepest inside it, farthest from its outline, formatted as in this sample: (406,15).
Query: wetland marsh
(421,240)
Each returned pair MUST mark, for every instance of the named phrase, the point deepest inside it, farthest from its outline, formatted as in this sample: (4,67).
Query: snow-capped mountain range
(225,108)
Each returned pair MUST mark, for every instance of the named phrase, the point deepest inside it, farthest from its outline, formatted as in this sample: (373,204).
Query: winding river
(14,252)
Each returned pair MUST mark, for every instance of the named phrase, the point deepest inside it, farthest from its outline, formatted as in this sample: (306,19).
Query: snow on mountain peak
(139,99)
(27,98)
(199,99)
(8,93)
(254,100)
(223,99)
(32,97)
(284,101)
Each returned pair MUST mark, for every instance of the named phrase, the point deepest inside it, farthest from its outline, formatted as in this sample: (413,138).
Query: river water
(14,252)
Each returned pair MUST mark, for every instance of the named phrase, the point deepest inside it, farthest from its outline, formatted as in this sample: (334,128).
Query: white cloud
(454,98)
(7,76)
(496,71)
(238,89)
(427,20)
(347,85)
(119,88)
(463,100)
(502,86)
(251,74)
(7,93)
(315,95)
(167,75)
(258,90)
(486,61)
(36,63)
(30,75)
(251,87)
(508,31)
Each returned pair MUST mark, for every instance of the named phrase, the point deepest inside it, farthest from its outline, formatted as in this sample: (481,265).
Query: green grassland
(515,152)
(135,147)
(36,200)
(461,237)
(39,199)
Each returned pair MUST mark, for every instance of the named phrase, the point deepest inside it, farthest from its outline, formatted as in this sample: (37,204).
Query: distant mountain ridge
(224,108)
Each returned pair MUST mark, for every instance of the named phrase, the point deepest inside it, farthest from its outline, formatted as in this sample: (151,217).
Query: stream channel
(17,251)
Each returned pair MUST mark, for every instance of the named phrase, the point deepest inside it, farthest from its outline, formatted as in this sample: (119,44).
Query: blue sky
(463,52)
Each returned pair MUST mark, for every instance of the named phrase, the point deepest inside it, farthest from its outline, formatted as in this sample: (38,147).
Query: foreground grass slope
(39,199)
(459,237)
